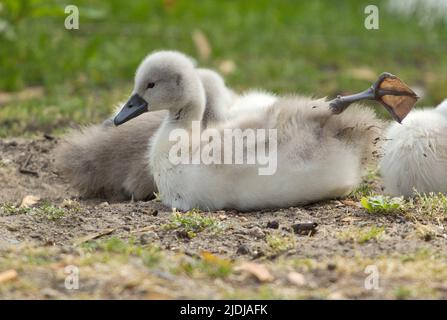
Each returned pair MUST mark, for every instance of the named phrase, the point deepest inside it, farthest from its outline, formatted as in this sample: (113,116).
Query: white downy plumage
(319,155)
(110,162)
(415,153)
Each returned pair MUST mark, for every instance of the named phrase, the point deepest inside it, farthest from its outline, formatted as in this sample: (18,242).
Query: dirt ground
(135,250)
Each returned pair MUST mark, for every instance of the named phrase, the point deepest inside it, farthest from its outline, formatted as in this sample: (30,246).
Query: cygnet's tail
(361,130)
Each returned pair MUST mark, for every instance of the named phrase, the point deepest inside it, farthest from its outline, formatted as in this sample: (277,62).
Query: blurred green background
(52,78)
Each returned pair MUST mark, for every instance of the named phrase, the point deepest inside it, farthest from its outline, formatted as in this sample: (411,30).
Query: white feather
(415,153)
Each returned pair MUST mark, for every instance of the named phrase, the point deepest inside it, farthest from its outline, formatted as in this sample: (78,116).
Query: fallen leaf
(349,220)
(336,295)
(158,296)
(441,287)
(296,279)
(259,271)
(144,229)
(94,236)
(305,228)
(8,275)
(210,258)
(337,203)
(227,67)
(351,203)
(202,45)
(29,201)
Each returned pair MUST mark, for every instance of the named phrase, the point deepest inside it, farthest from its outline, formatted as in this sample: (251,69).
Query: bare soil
(330,260)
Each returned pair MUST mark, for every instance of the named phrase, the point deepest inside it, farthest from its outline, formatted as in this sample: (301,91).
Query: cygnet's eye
(150,85)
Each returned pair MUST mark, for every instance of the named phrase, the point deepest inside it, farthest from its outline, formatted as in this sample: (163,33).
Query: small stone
(306,228)
(183,234)
(36,235)
(103,204)
(70,204)
(12,143)
(6,162)
(49,293)
(67,250)
(256,232)
(331,266)
(259,271)
(296,279)
(12,227)
(243,249)
(154,213)
(273,224)
(258,253)
(148,237)
(336,296)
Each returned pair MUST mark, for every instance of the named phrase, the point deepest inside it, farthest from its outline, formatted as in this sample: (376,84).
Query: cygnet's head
(217,93)
(165,80)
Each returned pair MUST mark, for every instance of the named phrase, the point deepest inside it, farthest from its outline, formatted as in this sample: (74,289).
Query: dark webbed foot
(389,90)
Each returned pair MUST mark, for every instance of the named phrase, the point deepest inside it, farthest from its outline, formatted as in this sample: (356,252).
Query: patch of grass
(46,210)
(382,204)
(425,231)
(150,255)
(430,204)
(10,209)
(366,188)
(50,212)
(193,222)
(214,266)
(84,72)
(208,265)
(419,255)
(419,274)
(280,243)
(36,256)
(71,205)
(117,245)
(363,190)
(361,235)
(37,259)
(303,263)
(402,293)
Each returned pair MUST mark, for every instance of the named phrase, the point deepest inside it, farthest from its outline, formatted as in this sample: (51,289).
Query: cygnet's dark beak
(133,108)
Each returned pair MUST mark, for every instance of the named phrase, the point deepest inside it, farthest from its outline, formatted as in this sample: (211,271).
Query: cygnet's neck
(181,118)
(190,111)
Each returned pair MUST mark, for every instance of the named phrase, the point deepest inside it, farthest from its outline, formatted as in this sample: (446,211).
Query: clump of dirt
(319,231)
